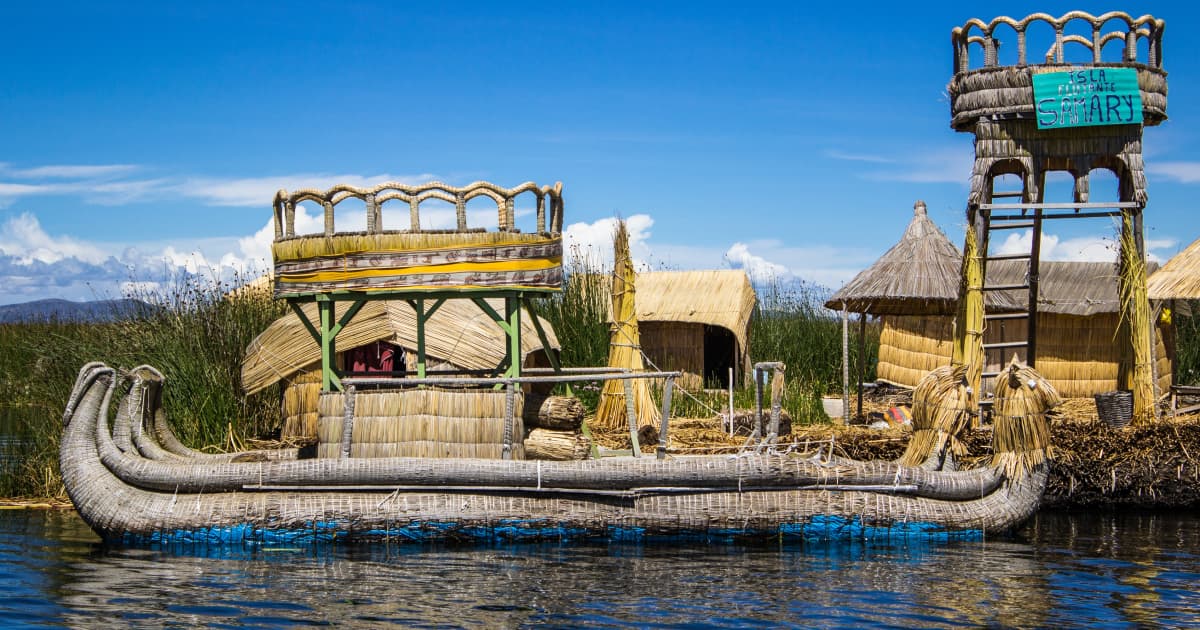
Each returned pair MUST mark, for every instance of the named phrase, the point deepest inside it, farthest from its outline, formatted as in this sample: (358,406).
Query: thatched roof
(1064,287)
(918,275)
(1179,279)
(459,333)
(722,298)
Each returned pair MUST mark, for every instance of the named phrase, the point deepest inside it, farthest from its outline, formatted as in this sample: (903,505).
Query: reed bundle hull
(146,488)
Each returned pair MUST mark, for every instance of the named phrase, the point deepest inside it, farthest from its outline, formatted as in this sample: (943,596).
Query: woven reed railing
(1146,27)
(549,219)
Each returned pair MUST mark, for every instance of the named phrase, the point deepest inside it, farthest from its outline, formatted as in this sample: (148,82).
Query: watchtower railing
(1145,27)
(549,219)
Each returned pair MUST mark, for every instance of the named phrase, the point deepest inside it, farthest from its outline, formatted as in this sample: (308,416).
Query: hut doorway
(720,348)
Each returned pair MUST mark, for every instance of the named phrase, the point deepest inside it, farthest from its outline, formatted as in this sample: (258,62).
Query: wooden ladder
(995,221)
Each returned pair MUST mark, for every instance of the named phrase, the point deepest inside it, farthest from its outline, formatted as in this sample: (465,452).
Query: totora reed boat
(133,482)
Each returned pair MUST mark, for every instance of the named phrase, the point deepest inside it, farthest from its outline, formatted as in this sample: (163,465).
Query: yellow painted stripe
(336,244)
(536,264)
(452,287)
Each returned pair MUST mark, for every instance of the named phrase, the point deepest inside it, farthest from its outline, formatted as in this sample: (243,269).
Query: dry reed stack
(1135,326)
(419,423)
(625,348)
(556,424)
(968,325)
(1021,434)
(943,406)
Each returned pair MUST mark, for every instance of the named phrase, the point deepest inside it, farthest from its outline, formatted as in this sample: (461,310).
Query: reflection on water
(1078,570)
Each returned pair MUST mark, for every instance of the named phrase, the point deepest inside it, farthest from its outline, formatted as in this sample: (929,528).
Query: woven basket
(1115,408)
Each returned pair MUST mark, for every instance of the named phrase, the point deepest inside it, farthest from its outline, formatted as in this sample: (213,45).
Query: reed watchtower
(1082,106)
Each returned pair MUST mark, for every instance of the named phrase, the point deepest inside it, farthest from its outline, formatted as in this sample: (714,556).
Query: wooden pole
(862,359)
(845,365)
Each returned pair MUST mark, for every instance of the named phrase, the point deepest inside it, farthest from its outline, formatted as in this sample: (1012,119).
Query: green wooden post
(512,307)
(329,379)
(419,307)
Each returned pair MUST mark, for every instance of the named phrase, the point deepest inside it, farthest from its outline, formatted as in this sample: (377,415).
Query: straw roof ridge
(919,274)
(459,333)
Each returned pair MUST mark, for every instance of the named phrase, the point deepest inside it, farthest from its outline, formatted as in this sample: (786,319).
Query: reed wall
(420,423)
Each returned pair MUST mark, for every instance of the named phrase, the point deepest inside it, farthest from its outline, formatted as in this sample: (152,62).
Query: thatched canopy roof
(1179,279)
(918,275)
(459,333)
(721,297)
(1064,287)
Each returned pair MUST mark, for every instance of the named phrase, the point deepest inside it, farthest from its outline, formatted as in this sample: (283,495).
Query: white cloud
(1082,249)
(923,166)
(69,171)
(590,245)
(1182,172)
(758,268)
(23,239)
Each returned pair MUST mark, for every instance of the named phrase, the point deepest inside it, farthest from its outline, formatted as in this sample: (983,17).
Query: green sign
(1086,97)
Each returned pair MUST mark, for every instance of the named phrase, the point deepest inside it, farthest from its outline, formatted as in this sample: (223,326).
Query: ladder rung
(1006,287)
(995,316)
(1011,226)
(1009,257)
(1009,193)
(1005,344)
(989,375)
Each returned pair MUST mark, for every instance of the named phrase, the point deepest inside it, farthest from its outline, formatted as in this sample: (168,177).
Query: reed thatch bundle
(1179,279)
(561,413)
(418,423)
(1021,435)
(625,348)
(943,407)
(968,325)
(300,404)
(553,445)
(1135,326)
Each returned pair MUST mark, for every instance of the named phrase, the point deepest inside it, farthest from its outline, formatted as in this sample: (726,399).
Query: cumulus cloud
(758,268)
(1081,249)
(591,244)
(23,240)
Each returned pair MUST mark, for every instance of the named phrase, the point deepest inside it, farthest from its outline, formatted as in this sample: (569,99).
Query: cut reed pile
(548,444)
(1020,433)
(1135,326)
(943,406)
(625,348)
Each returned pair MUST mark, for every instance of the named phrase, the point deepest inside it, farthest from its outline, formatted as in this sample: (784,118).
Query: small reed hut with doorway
(696,322)
(459,336)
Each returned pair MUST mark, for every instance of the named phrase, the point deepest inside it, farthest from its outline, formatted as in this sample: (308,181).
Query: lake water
(1079,570)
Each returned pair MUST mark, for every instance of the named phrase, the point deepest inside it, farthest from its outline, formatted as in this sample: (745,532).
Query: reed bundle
(943,407)
(1135,326)
(418,423)
(300,405)
(553,445)
(625,348)
(1021,434)
(968,325)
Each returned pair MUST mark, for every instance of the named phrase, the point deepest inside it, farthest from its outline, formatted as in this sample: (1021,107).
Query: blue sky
(782,138)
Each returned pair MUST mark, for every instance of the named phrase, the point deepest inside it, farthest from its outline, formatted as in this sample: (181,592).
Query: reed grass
(197,338)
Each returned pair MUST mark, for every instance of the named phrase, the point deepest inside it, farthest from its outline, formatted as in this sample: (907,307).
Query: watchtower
(1046,114)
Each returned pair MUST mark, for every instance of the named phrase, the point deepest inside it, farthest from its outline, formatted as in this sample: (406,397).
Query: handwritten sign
(1087,97)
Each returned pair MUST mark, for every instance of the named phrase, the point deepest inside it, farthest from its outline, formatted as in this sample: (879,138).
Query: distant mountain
(65,310)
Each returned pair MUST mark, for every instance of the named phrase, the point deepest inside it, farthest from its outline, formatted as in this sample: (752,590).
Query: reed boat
(133,482)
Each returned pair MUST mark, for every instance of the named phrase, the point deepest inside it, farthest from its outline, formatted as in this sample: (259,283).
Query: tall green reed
(196,337)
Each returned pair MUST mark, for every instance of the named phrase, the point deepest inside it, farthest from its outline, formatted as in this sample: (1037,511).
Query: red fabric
(373,357)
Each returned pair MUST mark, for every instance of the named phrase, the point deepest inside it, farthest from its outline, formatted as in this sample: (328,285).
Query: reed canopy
(459,335)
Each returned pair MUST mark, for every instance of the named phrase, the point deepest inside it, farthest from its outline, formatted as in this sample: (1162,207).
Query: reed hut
(459,336)
(913,290)
(695,322)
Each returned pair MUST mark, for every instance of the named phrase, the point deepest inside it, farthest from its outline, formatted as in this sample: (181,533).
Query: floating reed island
(408,430)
